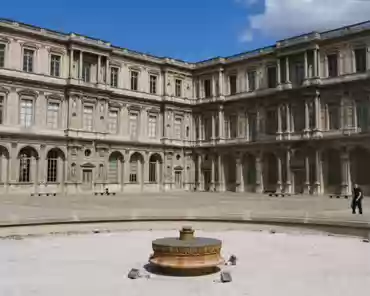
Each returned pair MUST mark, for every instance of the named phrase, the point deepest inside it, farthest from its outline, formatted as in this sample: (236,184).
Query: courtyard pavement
(16,210)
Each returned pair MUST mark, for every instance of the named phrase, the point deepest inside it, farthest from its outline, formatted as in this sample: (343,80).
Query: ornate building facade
(78,115)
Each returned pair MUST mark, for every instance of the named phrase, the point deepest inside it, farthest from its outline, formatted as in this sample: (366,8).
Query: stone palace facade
(78,115)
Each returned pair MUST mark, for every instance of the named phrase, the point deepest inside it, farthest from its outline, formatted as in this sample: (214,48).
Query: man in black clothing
(357,199)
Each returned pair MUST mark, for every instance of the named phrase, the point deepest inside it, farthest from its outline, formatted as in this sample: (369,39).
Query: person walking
(357,199)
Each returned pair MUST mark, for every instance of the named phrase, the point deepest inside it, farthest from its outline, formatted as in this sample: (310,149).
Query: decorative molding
(28,92)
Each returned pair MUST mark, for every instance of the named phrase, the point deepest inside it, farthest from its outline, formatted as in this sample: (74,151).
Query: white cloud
(285,18)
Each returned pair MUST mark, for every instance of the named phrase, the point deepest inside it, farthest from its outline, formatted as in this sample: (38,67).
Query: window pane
(88,118)
(26,113)
(55,65)
(2,55)
(53,115)
(28,60)
(113,121)
(133,125)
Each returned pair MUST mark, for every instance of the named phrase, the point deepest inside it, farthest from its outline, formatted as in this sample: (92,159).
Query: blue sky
(191,30)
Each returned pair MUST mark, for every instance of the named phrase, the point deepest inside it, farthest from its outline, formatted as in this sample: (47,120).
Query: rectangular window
(133,125)
(178,124)
(2,109)
(332,65)
(178,87)
(28,60)
(114,77)
(252,80)
(232,84)
(113,121)
(153,172)
(133,171)
(134,80)
(298,77)
(2,55)
(26,113)
(207,88)
(52,169)
(86,67)
(55,65)
(152,126)
(271,77)
(88,118)
(153,84)
(53,115)
(360,59)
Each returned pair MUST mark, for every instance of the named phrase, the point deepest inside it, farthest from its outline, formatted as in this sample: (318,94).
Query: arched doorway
(155,169)
(360,168)
(249,172)
(230,172)
(115,168)
(332,171)
(4,165)
(270,173)
(136,169)
(55,166)
(28,162)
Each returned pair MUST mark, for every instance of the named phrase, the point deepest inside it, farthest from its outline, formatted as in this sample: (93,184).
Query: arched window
(52,173)
(114,167)
(154,162)
(25,160)
(135,162)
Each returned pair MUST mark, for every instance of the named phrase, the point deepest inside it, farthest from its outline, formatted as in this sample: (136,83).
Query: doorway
(87,178)
(178,179)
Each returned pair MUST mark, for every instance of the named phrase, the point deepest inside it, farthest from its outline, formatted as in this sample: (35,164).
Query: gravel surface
(268,264)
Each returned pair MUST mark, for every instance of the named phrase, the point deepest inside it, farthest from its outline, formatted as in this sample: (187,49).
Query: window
(24,167)
(178,88)
(232,84)
(113,121)
(360,59)
(28,60)
(26,112)
(133,124)
(88,118)
(113,168)
(153,168)
(178,124)
(52,115)
(86,72)
(298,74)
(2,55)
(134,80)
(271,77)
(152,128)
(114,77)
(332,65)
(52,166)
(55,65)
(134,167)
(252,80)
(153,84)
(2,109)
(207,88)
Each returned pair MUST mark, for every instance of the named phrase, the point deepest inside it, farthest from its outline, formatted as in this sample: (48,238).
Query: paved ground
(229,206)
(268,264)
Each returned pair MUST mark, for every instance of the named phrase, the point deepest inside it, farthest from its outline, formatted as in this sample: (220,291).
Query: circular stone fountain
(186,255)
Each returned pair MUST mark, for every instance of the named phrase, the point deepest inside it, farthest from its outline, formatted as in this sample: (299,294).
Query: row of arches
(299,171)
(30,169)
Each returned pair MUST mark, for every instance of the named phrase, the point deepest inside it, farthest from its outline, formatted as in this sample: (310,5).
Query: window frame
(114,85)
(132,84)
(357,48)
(152,115)
(254,88)
(34,51)
(232,90)
(178,87)
(116,110)
(137,127)
(5,44)
(58,121)
(181,119)
(31,99)
(152,75)
(328,55)
(60,56)
(88,105)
